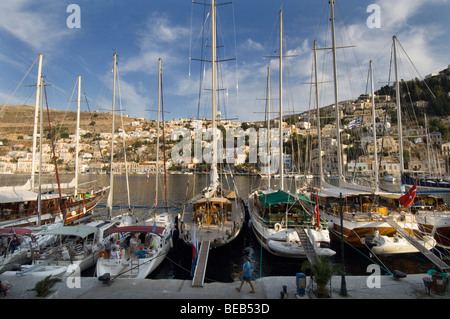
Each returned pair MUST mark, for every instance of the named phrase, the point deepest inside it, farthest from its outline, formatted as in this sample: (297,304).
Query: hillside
(19,119)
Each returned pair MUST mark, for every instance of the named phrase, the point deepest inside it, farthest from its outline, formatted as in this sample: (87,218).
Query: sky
(82,42)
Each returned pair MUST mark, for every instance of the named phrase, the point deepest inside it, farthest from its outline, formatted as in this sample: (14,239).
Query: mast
(41,125)
(428,144)
(281,102)
(375,155)
(336,101)
(269,166)
(319,134)
(111,177)
(214,176)
(399,111)
(157,134)
(77,134)
(36,114)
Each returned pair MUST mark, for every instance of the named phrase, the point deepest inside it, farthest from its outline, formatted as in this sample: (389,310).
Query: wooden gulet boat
(24,206)
(279,219)
(216,215)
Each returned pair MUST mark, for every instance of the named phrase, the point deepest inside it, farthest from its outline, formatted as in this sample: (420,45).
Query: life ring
(277,226)
(103,254)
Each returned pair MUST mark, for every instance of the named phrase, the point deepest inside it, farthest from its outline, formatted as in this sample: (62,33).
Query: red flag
(317,212)
(408,198)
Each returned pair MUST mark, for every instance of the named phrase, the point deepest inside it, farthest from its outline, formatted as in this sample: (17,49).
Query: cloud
(159,38)
(36,26)
(251,45)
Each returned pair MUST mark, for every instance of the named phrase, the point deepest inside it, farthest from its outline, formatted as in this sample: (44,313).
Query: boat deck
(216,234)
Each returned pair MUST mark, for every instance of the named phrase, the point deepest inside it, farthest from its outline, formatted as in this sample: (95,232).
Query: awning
(137,229)
(16,230)
(79,230)
(282,198)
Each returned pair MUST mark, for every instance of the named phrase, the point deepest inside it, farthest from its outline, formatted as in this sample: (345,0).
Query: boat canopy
(80,230)
(281,197)
(12,195)
(18,231)
(137,229)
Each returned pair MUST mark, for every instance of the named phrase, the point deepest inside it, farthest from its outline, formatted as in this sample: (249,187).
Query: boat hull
(219,230)
(285,242)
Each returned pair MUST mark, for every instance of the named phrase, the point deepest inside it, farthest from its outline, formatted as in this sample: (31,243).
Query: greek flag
(356,122)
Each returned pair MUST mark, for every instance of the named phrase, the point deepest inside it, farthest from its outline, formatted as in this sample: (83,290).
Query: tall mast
(428,143)
(268,128)
(41,125)
(336,101)
(36,115)
(375,150)
(77,134)
(214,176)
(399,110)
(319,134)
(111,178)
(281,102)
(157,134)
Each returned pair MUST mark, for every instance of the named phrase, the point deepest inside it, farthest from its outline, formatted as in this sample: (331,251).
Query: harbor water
(225,263)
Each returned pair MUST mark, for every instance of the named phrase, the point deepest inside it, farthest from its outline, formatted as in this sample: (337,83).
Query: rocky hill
(19,120)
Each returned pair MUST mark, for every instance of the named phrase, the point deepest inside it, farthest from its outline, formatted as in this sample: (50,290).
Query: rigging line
(53,148)
(23,78)
(235,54)
(164,142)
(67,108)
(123,141)
(93,124)
(321,18)
(362,253)
(415,67)
(348,35)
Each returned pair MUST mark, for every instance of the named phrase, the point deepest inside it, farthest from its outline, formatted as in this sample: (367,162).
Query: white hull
(389,246)
(42,271)
(135,268)
(131,267)
(20,256)
(284,242)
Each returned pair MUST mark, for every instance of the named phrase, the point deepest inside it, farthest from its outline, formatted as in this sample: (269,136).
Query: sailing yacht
(366,217)
(216,214)
(154,238)
(280,220)
(24,206)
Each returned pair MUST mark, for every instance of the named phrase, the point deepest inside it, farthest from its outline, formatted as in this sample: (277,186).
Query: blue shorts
(246,278)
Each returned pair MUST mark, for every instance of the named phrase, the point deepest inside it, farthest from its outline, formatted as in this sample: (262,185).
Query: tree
(322,271)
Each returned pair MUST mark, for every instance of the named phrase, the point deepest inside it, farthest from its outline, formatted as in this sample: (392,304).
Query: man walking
(246,275)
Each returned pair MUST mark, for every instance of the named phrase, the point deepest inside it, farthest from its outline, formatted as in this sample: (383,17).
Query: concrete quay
(411,287)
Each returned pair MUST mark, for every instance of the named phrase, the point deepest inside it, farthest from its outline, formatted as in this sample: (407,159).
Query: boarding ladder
(308,246)
(421,248)
(135,264)
(200,268)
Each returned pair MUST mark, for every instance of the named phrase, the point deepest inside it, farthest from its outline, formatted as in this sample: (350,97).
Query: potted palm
(321,271)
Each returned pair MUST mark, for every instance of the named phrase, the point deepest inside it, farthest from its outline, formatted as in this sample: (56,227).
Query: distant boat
(389,178)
